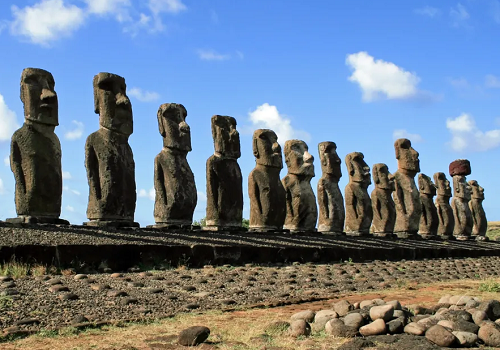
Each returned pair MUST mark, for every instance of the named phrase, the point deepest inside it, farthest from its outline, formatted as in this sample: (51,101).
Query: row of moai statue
(276,205)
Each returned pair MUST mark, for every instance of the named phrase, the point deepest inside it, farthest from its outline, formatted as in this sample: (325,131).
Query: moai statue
(429,220)
(175,188)
(330,200)
(459,169)
(384,210)
(108,156)
(446,222)
(224,180)
(406,196)
(267,195)
(358,205)
(480,225)
(35,153)
(301,210)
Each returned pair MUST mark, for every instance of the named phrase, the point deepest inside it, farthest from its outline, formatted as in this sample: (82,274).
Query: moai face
(298,159)
(330,160)
(112,104)
(461,187)
(358,170)
(442,184)
(477,191)
(266,149)
(173,126)
(38,97)
(425,185)
(406,155)
(226,137)
(382,177)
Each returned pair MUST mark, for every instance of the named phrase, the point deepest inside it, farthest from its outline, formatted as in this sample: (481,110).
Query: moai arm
(474,217)
(400,198)
(377,208)
(17,169)
(92,165)
(351,201)
(213,184)
(424,214)
(440,214)
(323,199)
(159,182)
(456,215)
(253,191)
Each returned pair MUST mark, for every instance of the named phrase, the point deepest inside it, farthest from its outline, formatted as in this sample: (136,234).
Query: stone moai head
(406,155)
(298,159)
(39,97)
(477,191)
(442,184)
(266,149)
(357,168)
(461,188)
(226,137)
(382,177)
(173,127)
(425,185)
(112,104)
(330,160)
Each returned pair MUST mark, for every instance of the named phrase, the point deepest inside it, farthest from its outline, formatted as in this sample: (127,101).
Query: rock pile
(455,321)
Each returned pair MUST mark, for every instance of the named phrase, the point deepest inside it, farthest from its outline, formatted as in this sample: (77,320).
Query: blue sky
(359,73)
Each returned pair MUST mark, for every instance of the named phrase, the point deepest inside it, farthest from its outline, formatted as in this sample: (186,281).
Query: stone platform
(67,245)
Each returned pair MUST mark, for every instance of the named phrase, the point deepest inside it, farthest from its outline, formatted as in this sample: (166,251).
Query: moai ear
(348,163)
(255,149)
(376,178)
(161,127)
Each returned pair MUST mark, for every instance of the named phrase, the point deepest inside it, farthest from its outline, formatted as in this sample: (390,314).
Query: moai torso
(446,222)
(330,199)
(36,151)
(301,210)
(462,216)
(429,220)
(460,201)
(480,224)
(383,207)
(224,179)
(266,192)
(175,188)
(358,205)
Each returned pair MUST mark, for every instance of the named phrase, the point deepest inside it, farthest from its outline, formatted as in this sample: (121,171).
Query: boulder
(377,327)
(193,336)
(466,339)
(343,307)
(489,333)
(440,336)
(384,312)
(396,326)
(307,315)
(337,328)
(354,320)
(395,303)
(479,317)
(414,328)
(491,307)
(299,328)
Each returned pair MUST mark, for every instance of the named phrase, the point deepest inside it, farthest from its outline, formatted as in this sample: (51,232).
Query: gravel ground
(49,302)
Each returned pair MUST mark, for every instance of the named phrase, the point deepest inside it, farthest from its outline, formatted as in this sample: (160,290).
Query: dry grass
(16,269)
(493,230)
(239,330)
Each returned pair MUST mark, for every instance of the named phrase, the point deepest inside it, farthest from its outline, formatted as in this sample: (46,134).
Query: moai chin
(429,220)
(358,205)
(224,179)
(301,210)
(175,189)
(266,192)
(459,169)
(480,224)
(330,199)
(384,210)
(406,195)
(446,221)
(108,156)
(35,153)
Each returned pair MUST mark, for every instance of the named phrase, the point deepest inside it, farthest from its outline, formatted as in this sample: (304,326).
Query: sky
(359,73)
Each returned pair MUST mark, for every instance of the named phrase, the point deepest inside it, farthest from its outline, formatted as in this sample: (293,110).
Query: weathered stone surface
(490,334)
(330,199)
(429,220)
(266,192)
(465,339)
(480,224)
(460,167)
(306,315)
(193,336)
(491,307)
(224,179)
(395,326)
(440,336)
(479,316)
(384,210)
(337,328)
(301,210)
(384,312)
(446,222)
(321,318)
(414,328)
(358,205)
(35,152)
(343,307)
(175,189)
(108,156)
(406,195)
(460,205)
(354,320)
(375,328)
(299,328)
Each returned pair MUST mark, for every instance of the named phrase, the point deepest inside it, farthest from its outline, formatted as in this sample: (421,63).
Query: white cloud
(8,121)
(466,136)
(147,194)
(2,187)
(6,161)
(202,197)
(143,96)
(46,21)
(459,16)
(70,208)
(119,8)
(144,22)
(491,81)
(428,11)
(268,117)
(76,133)
(157,7)
(66,175)
(378,78)
(495,10)
(459,83)
(403,134)
(75,192)
(211,55)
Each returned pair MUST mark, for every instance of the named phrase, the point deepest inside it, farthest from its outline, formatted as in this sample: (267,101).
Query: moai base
(480,223)
(446,222)
(462,215)
(384,210)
